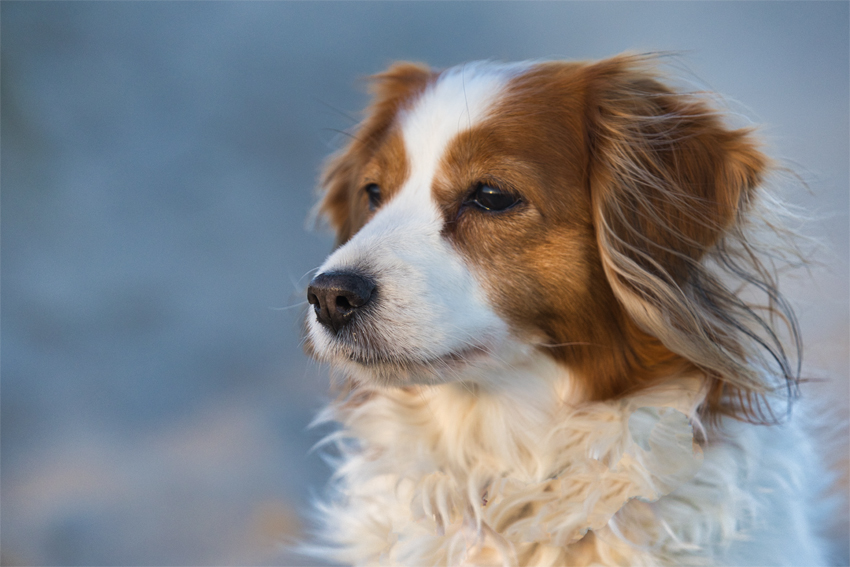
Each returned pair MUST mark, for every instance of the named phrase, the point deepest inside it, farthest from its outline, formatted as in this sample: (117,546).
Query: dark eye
(492,198)
(374,193)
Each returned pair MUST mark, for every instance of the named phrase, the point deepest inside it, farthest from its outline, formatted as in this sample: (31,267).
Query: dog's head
(491,215)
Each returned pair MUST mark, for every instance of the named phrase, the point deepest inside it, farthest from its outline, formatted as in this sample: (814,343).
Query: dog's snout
(336,296)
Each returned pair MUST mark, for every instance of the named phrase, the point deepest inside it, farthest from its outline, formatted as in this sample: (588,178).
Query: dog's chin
(399,370)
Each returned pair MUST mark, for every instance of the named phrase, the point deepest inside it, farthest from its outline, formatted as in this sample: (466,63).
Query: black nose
(336,296)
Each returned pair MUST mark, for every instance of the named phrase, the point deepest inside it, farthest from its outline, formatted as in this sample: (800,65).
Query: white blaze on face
(428,304)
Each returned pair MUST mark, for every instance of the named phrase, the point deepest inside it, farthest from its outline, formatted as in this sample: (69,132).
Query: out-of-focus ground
(158,161)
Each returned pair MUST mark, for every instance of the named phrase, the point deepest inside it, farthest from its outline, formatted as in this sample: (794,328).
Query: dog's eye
(374,193)
(492,198)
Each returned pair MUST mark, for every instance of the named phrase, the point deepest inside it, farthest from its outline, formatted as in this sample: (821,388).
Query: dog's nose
(336,296)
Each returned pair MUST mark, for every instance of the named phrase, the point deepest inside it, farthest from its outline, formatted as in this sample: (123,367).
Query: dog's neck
(505,426)
(504,423)
(512,457)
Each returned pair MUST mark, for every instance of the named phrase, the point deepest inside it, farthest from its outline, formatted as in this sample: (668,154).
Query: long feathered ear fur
(674,192)
(390,90)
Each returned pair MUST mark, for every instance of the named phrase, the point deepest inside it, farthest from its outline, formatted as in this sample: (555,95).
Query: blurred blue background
(158,164)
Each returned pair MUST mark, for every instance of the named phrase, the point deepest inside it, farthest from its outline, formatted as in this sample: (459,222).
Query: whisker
(296,284)
(342,132)
(288,307)
(338,111)
(548,345)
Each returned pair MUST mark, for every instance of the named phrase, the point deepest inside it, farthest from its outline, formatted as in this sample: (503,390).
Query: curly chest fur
(440,477)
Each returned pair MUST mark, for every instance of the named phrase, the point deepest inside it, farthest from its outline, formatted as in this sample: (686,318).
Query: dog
(543,315)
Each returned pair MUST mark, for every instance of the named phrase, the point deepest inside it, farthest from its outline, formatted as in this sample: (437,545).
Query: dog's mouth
(453,358)
(402,369)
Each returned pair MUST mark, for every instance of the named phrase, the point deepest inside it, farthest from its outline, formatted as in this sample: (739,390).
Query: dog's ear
(670,185)
(390,91)
(667,178)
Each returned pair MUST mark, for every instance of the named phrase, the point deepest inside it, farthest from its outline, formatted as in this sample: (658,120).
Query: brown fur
(541,261)
(344,203)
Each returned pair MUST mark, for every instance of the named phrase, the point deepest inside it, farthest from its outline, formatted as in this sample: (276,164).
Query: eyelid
(494,183)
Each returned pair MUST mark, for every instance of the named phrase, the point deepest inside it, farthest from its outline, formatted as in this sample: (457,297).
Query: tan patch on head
(550,141)
(539,260)
(375,153)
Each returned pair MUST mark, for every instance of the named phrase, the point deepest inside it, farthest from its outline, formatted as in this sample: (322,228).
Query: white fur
(434,476)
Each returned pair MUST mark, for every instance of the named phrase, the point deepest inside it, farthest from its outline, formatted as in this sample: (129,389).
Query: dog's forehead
(458,100)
